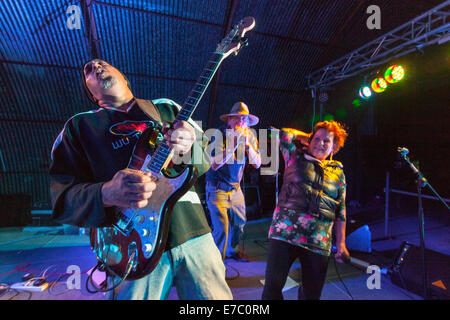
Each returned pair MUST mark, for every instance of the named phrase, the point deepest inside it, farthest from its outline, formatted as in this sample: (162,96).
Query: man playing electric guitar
(89,178)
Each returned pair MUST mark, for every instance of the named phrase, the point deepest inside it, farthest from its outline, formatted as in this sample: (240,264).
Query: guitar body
(142,232)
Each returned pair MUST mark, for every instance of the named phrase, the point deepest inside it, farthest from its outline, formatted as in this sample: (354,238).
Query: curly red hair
(338,130)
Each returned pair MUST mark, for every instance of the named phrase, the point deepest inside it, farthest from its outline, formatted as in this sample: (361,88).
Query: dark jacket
(312,187)
(91,148)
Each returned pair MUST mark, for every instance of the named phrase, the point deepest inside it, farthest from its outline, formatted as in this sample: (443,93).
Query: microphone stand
(421,182)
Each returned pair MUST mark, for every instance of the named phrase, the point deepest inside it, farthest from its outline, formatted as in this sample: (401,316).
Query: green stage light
(356,103)
(341,113)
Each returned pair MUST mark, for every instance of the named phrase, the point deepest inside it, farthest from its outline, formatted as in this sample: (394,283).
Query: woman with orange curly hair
(311,201)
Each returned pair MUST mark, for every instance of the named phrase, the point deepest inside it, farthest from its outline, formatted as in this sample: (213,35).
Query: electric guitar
(132,247)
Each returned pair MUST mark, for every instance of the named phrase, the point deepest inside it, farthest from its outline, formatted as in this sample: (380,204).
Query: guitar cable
(234,269)
(342,281)
(103,285)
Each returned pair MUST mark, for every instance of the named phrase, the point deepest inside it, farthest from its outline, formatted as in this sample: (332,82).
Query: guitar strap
(149,109)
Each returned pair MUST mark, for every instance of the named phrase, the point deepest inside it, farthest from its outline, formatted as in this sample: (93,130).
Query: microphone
(403,151)
(363,265)
(272,128)
(345,258)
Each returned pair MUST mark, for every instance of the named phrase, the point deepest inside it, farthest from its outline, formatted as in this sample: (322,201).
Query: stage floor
(35,249)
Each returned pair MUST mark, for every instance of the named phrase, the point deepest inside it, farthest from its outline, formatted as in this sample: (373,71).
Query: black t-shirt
(91,149)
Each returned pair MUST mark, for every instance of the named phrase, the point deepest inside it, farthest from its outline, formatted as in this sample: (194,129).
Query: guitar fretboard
(163,151)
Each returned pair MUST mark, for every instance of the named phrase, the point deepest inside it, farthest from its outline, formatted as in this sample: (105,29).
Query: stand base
(384,238)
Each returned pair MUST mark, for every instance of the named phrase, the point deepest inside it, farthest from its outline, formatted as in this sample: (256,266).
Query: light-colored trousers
(228,218)
(194,267)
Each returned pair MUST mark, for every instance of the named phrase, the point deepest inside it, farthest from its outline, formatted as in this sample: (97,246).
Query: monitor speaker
(407,271)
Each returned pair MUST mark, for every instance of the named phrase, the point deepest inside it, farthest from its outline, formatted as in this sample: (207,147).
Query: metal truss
(429,28)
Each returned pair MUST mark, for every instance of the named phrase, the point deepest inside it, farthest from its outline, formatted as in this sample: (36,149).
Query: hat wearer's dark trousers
(280,257)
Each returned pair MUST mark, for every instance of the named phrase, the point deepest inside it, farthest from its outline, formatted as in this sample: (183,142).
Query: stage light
(365,92)
(394,73)
(341,113)
(379,85)
(356,103)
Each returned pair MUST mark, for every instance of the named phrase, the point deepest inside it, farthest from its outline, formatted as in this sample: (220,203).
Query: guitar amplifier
(252,199)
(15,210)
(407,271)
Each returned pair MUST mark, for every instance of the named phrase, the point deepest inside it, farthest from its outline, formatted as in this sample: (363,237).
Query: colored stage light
(356,103)
(341,113)
(394,73)
(365,92)
(379,85)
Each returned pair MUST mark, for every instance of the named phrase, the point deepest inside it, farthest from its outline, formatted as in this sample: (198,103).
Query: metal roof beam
(91,28)
(429,28)
(36,64)
(215,82)
(113,5)
(276,36)
(291,39)
(143,75)
(336,37)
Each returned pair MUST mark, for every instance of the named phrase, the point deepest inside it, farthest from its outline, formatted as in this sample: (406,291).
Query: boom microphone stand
(421,182)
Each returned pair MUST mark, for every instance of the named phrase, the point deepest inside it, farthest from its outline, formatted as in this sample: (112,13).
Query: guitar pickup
(123,224)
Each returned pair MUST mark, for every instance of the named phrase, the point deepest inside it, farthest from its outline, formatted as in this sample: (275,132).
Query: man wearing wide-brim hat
(233,145)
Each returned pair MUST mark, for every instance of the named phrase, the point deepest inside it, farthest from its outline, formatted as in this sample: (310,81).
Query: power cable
(103,288)
(233,268)
(342,281)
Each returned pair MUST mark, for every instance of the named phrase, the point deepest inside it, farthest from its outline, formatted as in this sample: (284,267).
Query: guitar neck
(192,101)
(162,153)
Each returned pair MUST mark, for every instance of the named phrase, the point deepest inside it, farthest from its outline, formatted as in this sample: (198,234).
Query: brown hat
(240,109)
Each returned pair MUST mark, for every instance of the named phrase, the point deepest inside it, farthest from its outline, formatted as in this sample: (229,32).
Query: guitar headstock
(235,40)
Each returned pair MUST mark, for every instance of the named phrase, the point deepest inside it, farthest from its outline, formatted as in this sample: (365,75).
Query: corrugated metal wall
(162,46)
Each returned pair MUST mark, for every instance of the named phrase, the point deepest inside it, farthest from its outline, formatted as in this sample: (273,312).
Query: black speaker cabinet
(407,271)
(252,198)
(15,210)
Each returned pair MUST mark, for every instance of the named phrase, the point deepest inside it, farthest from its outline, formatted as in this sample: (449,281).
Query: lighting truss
(429,28)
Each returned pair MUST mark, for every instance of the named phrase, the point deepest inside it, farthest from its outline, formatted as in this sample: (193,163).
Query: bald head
(108,86)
